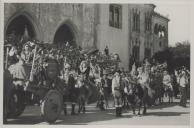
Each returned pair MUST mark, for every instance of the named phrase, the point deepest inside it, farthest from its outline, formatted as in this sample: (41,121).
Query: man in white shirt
(116,90)
(183,81)
(85,67)
(167,82)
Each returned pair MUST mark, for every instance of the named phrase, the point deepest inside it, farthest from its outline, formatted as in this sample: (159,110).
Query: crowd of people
(102,68)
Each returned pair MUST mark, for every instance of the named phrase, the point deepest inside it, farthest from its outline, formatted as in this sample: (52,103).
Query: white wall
(116,39)
(157,40)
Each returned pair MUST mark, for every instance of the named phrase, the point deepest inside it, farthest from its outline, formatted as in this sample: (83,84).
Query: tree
(163,56)
(175,57)
(181,53)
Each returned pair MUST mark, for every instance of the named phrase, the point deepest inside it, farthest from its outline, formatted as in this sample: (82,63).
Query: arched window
(148,21)
(136,20)
(163,31)
(160,31)
(156,29)
(115,16)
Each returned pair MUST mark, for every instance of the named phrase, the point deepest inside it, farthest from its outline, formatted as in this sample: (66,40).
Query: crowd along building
(134,31)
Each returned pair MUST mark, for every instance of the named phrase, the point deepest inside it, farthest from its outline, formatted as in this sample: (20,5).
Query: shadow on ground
(93,116)
(165,105)
(90,116)
(166,113)
(26,119)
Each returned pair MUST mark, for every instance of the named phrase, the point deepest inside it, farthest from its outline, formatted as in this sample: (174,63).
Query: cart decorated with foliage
(42,82)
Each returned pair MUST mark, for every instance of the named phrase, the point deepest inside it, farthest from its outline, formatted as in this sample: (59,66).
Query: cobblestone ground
(165,114)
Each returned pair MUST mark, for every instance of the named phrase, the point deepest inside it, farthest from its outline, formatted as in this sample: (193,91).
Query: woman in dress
(26,53)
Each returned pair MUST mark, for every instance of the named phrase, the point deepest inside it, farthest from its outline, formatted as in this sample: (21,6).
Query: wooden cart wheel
(16,104)
(51,106)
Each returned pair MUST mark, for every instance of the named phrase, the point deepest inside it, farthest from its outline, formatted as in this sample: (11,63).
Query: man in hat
(105,86)
(168,85)
(66,70)
(84,67)
(117,94)
(106,50)
(143,77)
(125,83)
(143,80)
(183,82)
(18,73)
(73,92)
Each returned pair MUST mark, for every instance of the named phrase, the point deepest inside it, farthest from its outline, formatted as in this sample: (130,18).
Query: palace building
(134,31)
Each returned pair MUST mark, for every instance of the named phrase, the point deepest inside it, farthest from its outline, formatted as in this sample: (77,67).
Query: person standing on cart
(17,69)
(13,55)
(26,53)
(27,57)
(18,73)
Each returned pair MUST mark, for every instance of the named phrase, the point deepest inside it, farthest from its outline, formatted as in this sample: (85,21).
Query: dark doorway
(64,34)
(18,26)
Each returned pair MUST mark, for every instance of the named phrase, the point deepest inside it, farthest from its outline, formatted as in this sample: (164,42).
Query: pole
(31,73)
(6,61)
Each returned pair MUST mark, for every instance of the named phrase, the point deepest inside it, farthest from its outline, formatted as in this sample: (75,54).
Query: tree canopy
(176,56)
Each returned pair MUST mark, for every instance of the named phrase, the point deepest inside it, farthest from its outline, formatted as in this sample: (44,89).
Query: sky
(179,25)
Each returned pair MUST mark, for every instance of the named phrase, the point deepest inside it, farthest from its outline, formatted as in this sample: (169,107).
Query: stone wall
(47,18)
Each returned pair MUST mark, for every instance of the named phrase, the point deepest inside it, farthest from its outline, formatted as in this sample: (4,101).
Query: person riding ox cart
(19,78)
(19,72)
(69,83)
(144,81)
(27,75)
(133,92)
(129,82)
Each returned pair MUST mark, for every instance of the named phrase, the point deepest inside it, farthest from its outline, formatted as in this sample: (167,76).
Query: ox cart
(49,92)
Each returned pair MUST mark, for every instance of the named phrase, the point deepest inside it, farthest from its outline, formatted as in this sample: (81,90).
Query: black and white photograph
(96,63)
